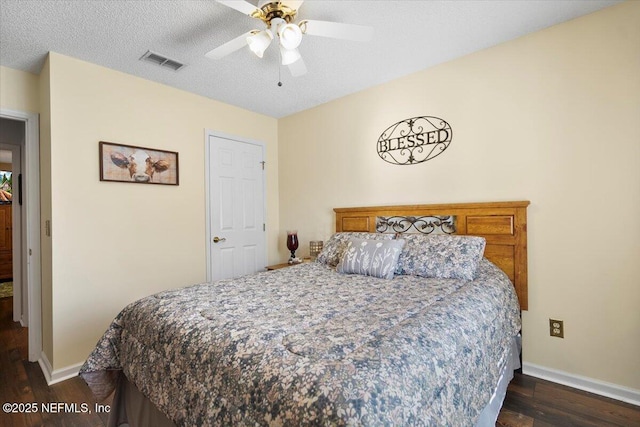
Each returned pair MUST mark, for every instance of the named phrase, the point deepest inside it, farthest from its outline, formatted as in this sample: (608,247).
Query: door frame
(207,168)
(31,225)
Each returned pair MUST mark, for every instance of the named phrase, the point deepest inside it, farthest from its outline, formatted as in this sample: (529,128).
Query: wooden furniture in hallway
(6,246)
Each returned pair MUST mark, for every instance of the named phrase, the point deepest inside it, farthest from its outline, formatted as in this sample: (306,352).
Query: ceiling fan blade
(240,5)
(359,33)
(294,4)
(229,47)
(298,68)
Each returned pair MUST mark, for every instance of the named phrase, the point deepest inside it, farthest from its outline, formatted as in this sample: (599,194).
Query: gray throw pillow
(377,258)
(334,248)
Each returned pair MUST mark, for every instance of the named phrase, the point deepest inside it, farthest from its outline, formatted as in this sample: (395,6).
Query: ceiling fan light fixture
(259,42)
(289,56)
(280,19)
(290,36)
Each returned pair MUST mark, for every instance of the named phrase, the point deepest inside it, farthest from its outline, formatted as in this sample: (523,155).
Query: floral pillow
(441,256)
(334,248)
(378,258)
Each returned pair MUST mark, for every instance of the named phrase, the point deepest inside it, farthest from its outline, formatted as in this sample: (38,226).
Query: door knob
(218,239)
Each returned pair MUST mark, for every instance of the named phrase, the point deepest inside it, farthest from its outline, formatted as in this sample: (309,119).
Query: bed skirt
(132,408)
(490,413)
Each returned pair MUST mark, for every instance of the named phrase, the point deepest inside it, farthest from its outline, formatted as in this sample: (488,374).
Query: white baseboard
(58,375)
(591,385)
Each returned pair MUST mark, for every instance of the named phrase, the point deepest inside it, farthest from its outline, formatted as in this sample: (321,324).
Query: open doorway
(12,137)
(20,220)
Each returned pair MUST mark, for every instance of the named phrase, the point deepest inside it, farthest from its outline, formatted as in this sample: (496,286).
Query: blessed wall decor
(414,140)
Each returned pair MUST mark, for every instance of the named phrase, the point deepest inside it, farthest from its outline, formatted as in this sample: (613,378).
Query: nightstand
(285,264)
(278,266)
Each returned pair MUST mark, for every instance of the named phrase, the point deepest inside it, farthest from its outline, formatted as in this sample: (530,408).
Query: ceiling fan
(279,19)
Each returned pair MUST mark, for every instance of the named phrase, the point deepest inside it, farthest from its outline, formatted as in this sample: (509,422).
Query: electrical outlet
(556,328)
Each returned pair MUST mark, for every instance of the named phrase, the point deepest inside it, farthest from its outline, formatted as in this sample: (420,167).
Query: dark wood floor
(529,402)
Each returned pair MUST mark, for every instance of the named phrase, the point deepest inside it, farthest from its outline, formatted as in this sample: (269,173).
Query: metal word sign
(414,140)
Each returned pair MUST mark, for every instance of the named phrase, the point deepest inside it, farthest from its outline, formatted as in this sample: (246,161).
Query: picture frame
(138,165)
(6,186)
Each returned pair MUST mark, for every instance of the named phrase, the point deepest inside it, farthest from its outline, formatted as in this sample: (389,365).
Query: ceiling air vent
(161,60)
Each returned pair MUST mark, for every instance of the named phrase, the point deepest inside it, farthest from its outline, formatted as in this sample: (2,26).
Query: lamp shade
(289,56)
(290,36)
(259,42)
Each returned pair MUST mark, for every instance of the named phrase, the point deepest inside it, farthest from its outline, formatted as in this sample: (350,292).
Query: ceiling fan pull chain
(280,71)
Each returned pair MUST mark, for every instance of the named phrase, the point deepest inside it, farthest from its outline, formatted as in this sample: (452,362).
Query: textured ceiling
(408,36)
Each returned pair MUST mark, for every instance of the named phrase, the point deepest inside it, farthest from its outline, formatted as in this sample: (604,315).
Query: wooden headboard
(502,224)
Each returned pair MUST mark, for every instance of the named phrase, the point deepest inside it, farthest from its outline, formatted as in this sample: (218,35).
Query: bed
(341,341)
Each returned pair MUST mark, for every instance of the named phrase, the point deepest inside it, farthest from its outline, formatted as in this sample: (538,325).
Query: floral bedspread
(305,345)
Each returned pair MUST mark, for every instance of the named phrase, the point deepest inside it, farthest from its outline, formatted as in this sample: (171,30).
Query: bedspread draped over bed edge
(307,345)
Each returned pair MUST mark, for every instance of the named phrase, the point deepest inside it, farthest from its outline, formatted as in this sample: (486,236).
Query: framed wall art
(141,165)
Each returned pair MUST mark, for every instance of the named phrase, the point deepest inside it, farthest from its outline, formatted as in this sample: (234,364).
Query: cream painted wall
(554,118)
(113,243)
(19,90)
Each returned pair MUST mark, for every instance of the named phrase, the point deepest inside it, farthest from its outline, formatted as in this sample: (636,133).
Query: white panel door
(236,208)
